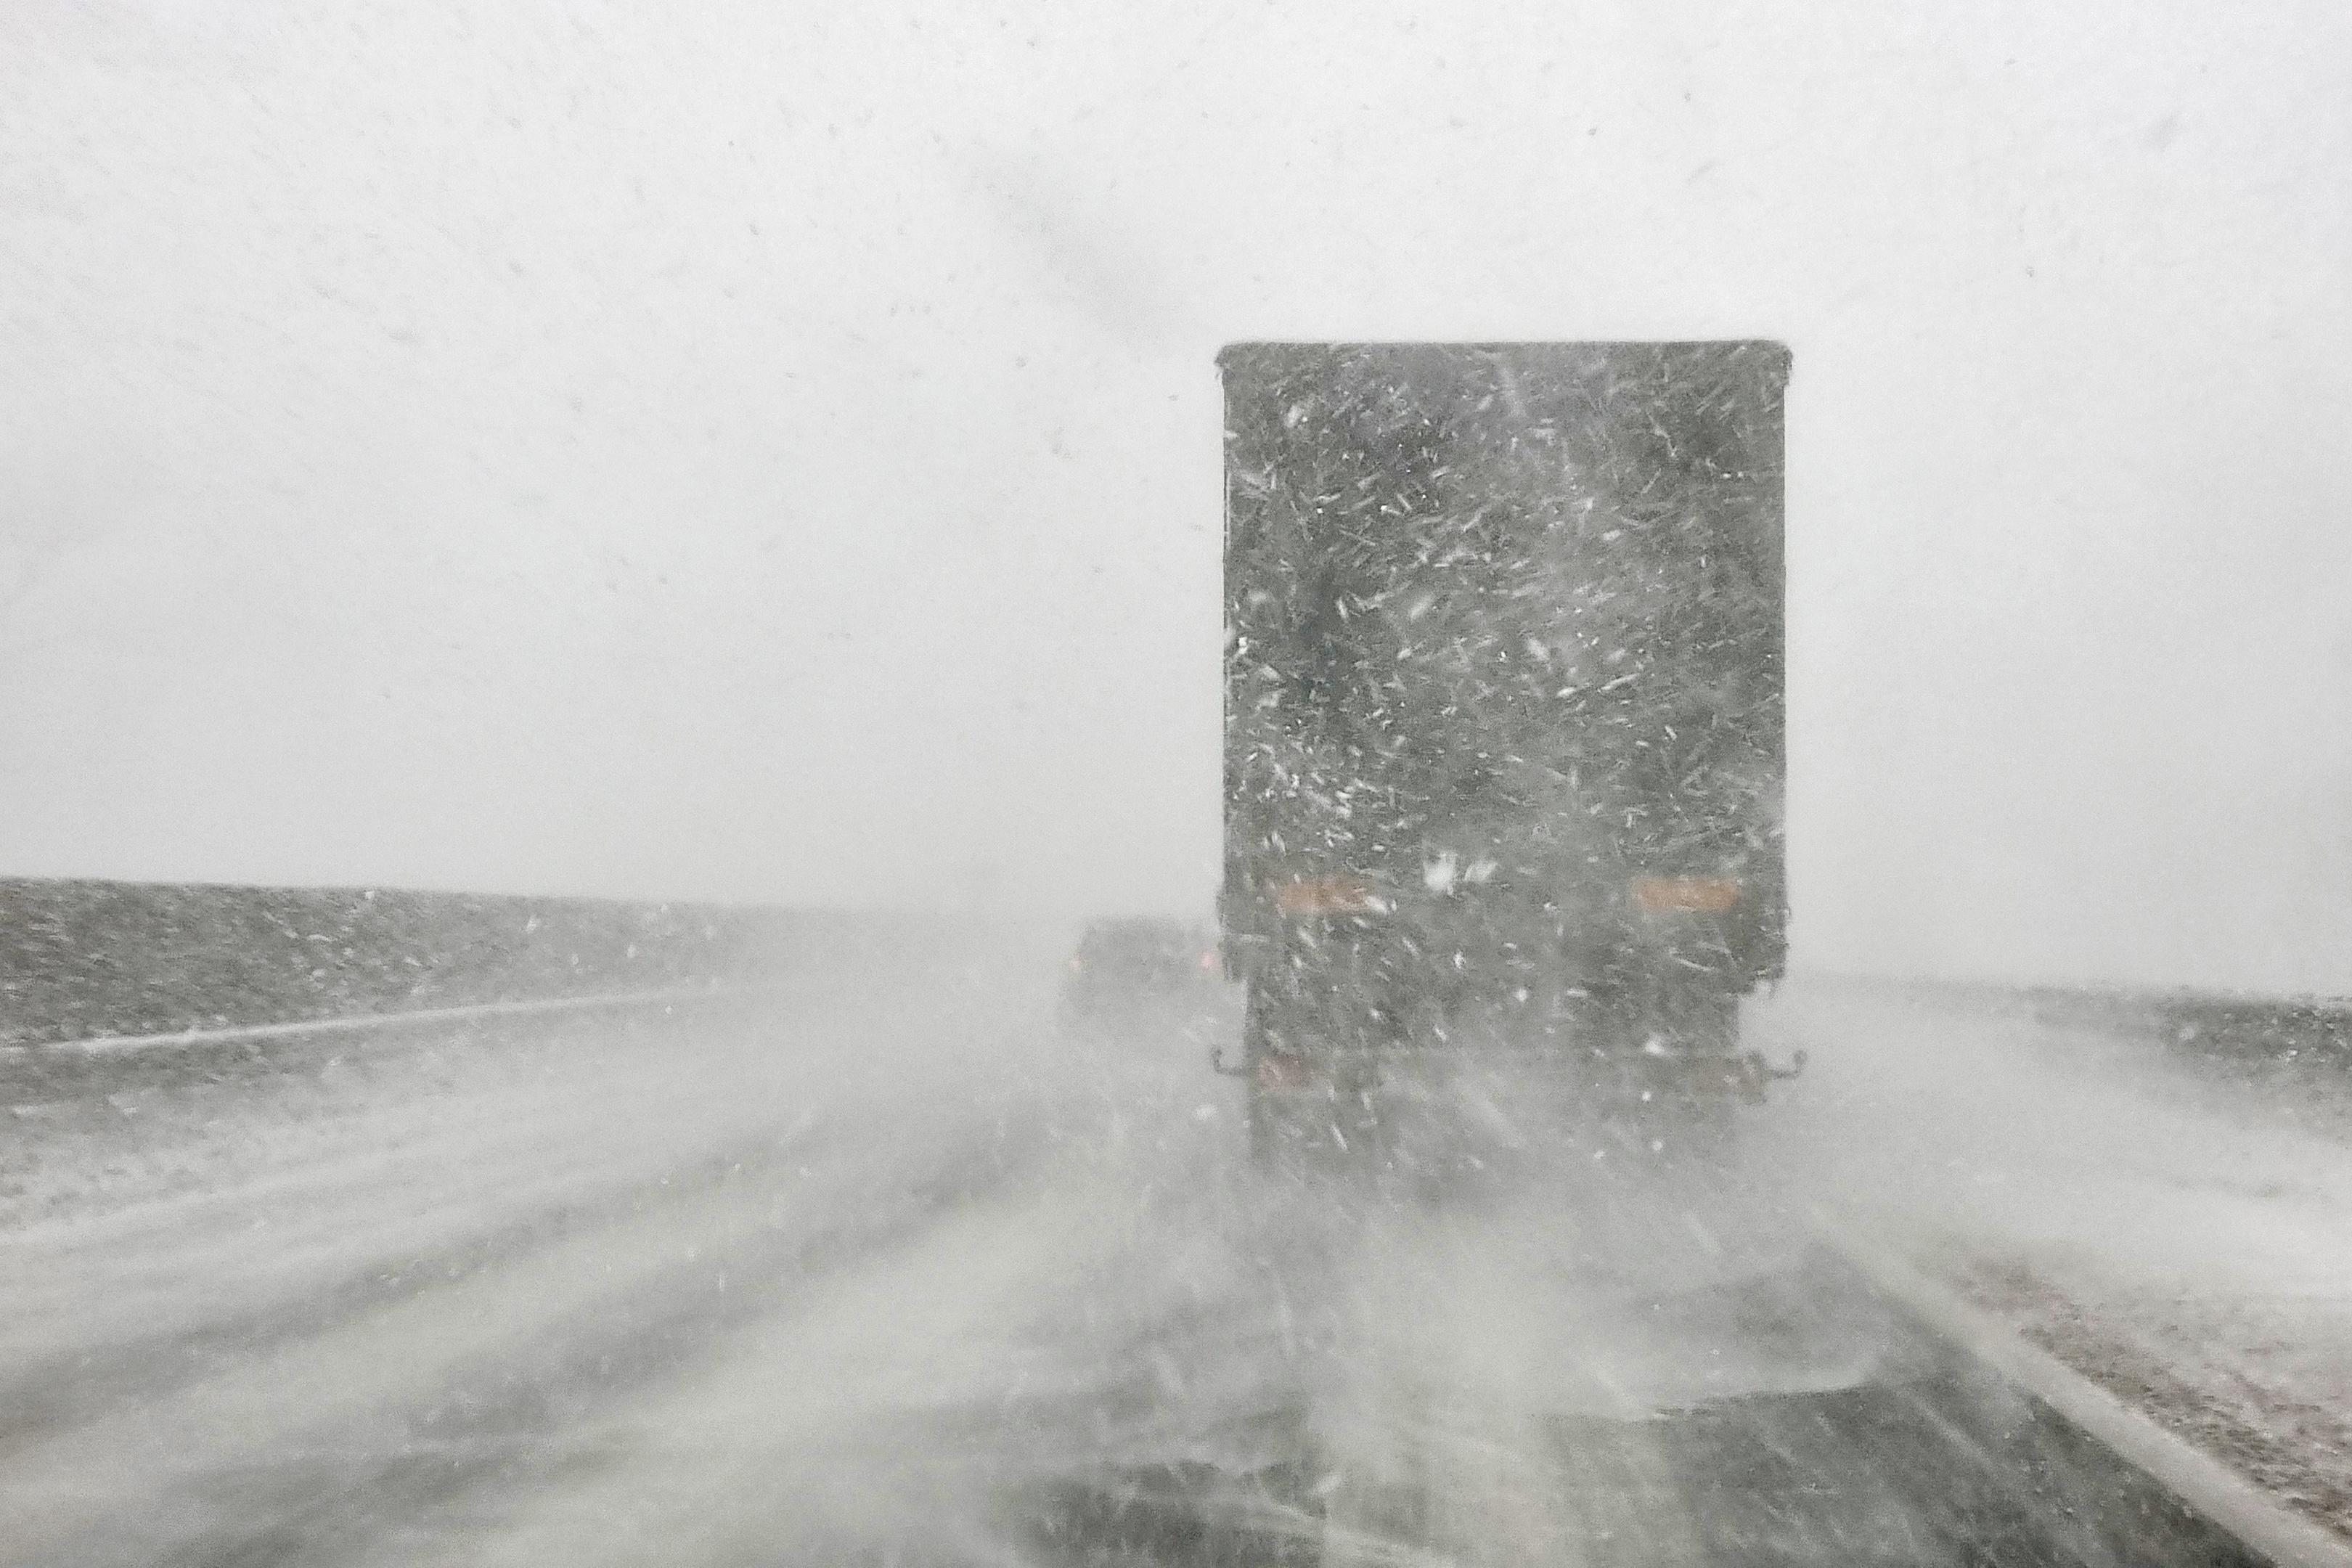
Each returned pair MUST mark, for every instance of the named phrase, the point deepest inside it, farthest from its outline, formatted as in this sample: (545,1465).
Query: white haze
(771,452)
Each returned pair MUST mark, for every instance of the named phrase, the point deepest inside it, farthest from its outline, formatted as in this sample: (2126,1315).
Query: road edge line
(2219,1493)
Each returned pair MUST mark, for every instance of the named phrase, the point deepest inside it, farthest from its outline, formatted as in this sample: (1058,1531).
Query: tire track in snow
(56,1391)
(313,1450)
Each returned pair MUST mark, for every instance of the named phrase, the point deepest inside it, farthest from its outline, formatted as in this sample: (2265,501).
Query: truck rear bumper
(1447,1114)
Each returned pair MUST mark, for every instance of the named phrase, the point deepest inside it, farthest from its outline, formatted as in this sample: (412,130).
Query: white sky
(769,451)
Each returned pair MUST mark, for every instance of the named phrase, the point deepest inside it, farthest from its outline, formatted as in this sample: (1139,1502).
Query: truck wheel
(1702,1023)
(1262,1131)
(1689,1095)
(1262,1141)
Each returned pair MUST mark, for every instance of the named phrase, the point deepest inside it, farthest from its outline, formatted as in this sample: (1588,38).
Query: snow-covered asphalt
(890,1270)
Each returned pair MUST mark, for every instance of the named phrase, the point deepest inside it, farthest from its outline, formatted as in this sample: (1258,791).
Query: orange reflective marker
(1685,895)
(1323,896)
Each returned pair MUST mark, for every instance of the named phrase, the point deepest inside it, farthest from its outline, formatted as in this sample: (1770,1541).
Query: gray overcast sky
(771,451)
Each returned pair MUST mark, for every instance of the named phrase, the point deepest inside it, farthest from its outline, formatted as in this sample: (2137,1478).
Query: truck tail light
(1685,895)
(1275,1071)
(1325,896)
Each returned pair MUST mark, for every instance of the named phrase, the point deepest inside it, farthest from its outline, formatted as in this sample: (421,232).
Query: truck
(1504,719)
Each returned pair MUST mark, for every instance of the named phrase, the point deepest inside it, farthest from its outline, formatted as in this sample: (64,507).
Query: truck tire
(1261,1134)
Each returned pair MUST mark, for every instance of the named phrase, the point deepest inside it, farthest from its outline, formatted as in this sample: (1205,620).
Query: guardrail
(83,959)
(2204,1490)
(53,1072)
(120,1045)
(2293,1037)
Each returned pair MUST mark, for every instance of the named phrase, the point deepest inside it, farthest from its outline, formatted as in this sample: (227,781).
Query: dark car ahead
(1141,971)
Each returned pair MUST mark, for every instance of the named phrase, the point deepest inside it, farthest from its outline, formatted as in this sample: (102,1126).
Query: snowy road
(887,1272)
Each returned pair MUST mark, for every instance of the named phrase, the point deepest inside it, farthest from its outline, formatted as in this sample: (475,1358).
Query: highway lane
(899,1276)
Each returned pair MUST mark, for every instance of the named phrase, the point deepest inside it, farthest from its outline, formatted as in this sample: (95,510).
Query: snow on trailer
(1502,718)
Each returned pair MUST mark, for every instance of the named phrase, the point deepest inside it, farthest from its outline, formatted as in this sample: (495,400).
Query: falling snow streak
(1517,606)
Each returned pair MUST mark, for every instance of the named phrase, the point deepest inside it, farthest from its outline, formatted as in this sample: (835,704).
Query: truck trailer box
(1504,694)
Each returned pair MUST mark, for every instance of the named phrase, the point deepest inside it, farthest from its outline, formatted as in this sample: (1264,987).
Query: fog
(936,1283)
(763,454)
(776,458)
